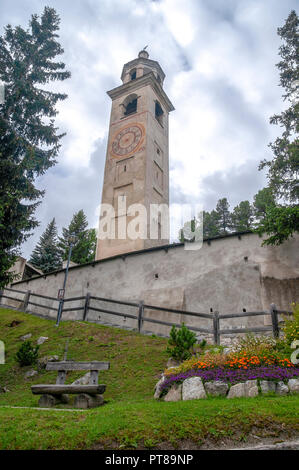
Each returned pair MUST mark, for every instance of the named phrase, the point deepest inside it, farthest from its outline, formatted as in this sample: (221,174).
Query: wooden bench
(88,396)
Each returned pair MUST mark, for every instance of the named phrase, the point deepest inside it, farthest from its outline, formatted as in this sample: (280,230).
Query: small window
(125,168)
(133,74)
(131,107)
(158,151)
(158,112)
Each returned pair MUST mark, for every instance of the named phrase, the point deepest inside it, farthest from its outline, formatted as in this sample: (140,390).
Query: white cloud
(219,57)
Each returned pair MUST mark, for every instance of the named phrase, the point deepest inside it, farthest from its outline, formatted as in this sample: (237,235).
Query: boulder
(174,393)
(158,387)
(26,337)
(294,385)
(172,363)
(251,388)
(193,389)
(281,388)
(42,362)
(84,380)
(41,340)
(30,373)
(216,388)
(237,390)
(267,386)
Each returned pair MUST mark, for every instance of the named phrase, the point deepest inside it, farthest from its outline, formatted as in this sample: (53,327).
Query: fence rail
(141,318)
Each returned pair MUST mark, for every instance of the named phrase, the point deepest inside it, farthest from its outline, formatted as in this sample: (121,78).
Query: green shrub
(180,343)
(27,354)
(291,326)
(254,344)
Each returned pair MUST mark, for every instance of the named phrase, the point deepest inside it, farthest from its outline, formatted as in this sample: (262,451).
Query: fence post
(59,312)
(86,306)
(26,300)
(216,328)
(140,315)
(274,317)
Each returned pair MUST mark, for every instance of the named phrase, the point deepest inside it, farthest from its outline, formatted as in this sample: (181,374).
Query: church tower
(137,158)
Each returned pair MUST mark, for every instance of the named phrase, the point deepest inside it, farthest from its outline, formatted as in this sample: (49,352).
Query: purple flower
(235,375)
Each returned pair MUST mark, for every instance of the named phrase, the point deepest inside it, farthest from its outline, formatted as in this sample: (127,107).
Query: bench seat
(69,389)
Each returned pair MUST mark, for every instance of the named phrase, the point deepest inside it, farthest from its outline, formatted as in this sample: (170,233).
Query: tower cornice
(133,85)
(142,61)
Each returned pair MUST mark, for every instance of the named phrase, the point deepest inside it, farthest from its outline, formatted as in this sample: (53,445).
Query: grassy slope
(131,417)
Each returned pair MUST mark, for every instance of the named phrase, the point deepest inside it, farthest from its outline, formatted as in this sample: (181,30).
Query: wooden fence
(141,315)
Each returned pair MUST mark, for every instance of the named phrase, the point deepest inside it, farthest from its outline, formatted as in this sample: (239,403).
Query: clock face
(127,141)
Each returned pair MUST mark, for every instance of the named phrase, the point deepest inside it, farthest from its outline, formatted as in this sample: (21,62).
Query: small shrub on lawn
(27,354)
(181,343)
(291,326)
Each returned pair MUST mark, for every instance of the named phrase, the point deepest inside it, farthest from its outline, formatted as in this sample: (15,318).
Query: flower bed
(233,376)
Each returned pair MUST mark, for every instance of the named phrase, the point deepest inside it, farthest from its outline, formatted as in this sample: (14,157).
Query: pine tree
(223,216)
(262,200)
(283,170)
(84,249)
(46,255)
(242,217)
(29,143)
(210,224)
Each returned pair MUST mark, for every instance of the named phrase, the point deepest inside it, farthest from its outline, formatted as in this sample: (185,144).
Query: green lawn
(130,418)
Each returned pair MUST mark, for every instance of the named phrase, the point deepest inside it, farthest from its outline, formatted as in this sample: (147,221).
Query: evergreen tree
(223,216)
(29,143)
(242,217)
(283,169)
(210,224)
(262,200)
(84,249)
(46,255)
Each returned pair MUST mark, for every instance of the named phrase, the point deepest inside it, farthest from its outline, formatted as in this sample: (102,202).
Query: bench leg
(85,401)
(47,401)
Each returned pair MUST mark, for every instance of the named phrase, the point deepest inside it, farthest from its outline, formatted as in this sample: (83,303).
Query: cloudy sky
(219,58)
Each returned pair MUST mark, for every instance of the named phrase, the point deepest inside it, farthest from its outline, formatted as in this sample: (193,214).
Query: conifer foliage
(283,170)
(29,141)
(46,255)
(84,249)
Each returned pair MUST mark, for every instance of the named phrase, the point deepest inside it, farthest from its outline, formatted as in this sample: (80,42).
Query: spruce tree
(210,224)
(242,217)
(283,170)
(223,216)
(262,200)
(29,141)
(46,255)
(84,249)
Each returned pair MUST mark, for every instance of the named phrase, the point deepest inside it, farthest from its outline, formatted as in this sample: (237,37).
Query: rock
(251,388)
(43,361)
(158,387)
(174,393)
(193,389)
(30,373)
(281,388)
(236,391)
(216,388)
(267,386)
(84,380)
(294,385)
(172,363)
(26,337)
(88,401)
(3,389)
(41,340)
(47,401)
(226,350)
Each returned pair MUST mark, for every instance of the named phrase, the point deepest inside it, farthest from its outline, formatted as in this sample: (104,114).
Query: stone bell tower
(137,160)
